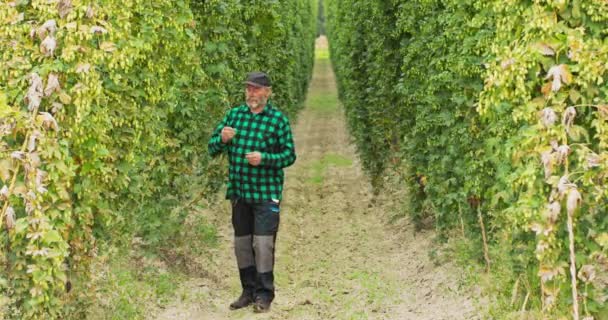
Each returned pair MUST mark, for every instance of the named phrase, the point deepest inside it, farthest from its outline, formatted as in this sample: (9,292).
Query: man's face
(256,96)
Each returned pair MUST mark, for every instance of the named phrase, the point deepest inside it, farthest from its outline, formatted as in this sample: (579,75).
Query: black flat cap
(258,79)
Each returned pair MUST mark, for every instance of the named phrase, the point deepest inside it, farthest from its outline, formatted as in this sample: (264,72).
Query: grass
(321,54)
(320,167)
(323,97)
(132,281)
(128,285)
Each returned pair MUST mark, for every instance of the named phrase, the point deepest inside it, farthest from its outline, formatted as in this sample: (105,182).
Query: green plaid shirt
(267,132)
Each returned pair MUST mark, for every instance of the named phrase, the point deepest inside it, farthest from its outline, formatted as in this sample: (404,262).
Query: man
(259,143)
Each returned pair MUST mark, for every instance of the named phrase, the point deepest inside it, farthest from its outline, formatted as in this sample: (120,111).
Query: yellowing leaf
(545,49)
(19,189)
(5,170)
(107,46)
(64,98)
(602,239)
(546,89)
(51,236)
(575,96)
(603,110)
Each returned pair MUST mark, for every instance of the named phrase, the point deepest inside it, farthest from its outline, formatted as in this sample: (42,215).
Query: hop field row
(105,110)
(495,113)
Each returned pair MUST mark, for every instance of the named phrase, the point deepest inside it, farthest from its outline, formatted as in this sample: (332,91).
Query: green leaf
(51,236)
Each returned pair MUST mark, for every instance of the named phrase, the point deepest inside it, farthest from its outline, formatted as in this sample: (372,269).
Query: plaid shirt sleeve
(215,145)
(286,156)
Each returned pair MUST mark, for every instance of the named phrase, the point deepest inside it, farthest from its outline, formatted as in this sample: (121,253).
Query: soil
(339,255)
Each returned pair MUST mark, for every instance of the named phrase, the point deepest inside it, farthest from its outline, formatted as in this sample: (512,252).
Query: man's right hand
(227,134)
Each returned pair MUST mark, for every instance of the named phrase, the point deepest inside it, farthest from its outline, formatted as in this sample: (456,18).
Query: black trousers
(255,232)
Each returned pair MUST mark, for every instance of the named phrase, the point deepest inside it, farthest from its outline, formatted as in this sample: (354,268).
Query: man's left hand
(254,158)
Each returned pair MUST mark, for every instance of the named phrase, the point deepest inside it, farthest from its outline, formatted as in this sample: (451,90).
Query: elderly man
(259,143)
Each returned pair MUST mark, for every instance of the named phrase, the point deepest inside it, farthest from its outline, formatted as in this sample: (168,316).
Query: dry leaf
(18,155)
(90,12)
(547,274)
(6,128)
(562,153)
(568,117)
(549,300)
(552,211)
(564,185)
(40,177)
(83,68)
(574,200)
(4,193)
(541,246)
(560,74)
(547,160)
(545,49)
(505,64)
(548,117)
(48,120)
(603,110)
(10,218)
(33,101)
(554,145)
(52,85)
(56,107)
(31,144)
(29,208)
(98,30)
(35,83)
(593,160)
(587,273)
(34,159)
(41,189)
(50,26)
(48,46)
(30,195)
(64,7)
(540,229)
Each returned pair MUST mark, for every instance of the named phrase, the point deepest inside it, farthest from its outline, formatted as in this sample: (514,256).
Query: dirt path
(337,257)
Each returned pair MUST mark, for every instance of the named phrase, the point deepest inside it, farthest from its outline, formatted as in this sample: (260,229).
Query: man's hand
(227,134)
(254,158)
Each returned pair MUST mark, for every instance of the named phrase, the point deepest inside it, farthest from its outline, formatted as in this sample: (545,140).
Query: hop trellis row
(500,108)
(102,110)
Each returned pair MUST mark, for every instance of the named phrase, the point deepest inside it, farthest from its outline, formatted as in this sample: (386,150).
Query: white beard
(255,103)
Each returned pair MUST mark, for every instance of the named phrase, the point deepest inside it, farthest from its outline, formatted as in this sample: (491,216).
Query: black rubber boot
(243,301)
(261,305)
(248,278)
